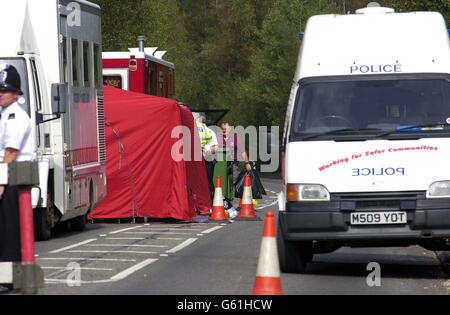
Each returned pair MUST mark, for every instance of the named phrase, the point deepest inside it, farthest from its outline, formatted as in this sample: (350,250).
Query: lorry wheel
(78,224)
(42,224)
(293,256)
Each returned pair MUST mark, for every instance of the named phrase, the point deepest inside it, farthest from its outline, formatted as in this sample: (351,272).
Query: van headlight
(308,192)
(439,190)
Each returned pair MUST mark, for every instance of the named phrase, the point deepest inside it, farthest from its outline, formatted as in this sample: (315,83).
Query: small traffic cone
(267,281)
(218,210)
(246,205)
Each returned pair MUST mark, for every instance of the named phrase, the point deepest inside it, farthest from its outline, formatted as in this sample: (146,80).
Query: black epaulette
(12,116)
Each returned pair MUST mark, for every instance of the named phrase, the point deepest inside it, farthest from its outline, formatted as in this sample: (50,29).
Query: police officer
(16,144)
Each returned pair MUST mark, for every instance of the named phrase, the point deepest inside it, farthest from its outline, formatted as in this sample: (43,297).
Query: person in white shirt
(210,145)
(17,143)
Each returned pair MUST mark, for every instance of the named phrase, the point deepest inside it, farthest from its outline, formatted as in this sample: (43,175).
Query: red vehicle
(141,70)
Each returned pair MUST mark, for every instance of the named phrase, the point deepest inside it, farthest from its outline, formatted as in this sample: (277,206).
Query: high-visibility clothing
(204,134)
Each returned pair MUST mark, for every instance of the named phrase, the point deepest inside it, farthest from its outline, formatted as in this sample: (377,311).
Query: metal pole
(141,39)
(27,276)
(29,286)
(26,226)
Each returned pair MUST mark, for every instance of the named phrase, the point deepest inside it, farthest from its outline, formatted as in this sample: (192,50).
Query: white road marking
(123,230)
(126,245)
(147,229)
(71,282)
(212,229)
(81,268)
(181,246)
(265,206)
(126,238)
(110,251)
(168,229)
(169,238)
(88,259)
(122,275)
(171,233)
(72,246)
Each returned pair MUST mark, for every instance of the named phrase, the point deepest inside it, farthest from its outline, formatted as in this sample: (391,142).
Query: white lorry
(367,137)
(56,47)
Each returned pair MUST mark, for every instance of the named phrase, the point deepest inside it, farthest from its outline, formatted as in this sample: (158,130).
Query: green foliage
(273,65)
(442,6)
(233,54)
(123,21)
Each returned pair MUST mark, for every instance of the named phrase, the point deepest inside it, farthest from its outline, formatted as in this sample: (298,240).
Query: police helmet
(10,79)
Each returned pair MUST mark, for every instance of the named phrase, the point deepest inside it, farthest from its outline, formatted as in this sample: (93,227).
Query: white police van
(366,146)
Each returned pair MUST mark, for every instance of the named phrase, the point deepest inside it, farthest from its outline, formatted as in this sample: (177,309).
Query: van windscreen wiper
(337,132)
(425,127)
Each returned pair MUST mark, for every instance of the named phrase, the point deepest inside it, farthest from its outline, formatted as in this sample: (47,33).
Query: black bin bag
(257,188)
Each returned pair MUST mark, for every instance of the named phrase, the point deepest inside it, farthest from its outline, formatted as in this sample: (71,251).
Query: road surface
(180,258)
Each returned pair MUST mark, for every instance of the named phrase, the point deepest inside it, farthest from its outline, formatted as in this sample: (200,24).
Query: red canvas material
(139,163)
(197,181)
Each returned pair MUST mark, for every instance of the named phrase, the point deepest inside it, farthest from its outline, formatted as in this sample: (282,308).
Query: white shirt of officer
(213,143)
(16,133)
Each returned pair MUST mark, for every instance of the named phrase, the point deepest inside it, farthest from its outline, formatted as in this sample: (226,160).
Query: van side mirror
(59,98)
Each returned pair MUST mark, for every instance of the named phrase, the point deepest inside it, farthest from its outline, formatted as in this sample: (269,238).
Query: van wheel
(293,256)
(78,224)
(43,224)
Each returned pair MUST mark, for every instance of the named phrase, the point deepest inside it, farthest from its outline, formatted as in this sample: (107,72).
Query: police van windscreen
(370,106)
(20,65)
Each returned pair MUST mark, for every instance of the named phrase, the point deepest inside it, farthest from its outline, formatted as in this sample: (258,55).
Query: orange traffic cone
(267,281)
(246,205)
(218,211)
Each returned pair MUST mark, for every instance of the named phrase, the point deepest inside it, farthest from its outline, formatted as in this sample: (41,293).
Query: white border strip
(6,272)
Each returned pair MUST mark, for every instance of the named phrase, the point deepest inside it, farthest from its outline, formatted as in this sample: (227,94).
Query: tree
(442,6)
(265,93)
(222,36)
(234,54)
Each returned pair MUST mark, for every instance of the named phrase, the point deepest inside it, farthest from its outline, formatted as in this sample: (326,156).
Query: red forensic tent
(142,177)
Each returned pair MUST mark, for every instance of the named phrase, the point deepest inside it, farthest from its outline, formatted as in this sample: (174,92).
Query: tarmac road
(218,259)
